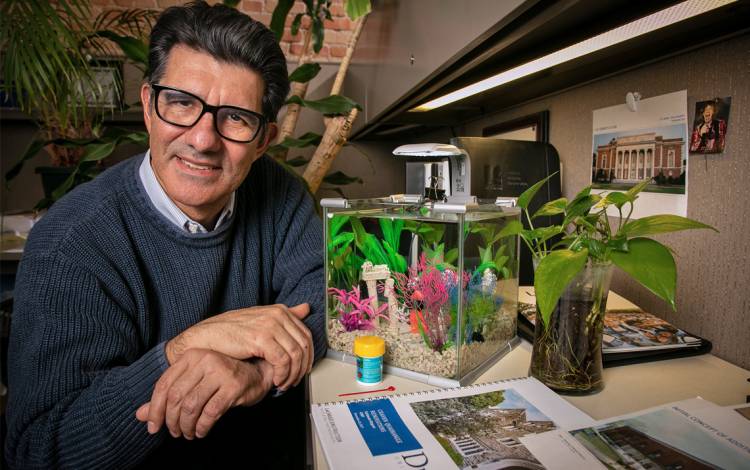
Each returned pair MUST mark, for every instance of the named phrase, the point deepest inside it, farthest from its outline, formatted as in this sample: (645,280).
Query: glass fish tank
(437,281)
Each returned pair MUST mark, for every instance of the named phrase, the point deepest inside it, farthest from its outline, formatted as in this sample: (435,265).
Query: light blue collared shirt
(164,204)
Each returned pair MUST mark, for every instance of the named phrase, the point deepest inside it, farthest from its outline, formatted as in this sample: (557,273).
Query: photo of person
(710,126)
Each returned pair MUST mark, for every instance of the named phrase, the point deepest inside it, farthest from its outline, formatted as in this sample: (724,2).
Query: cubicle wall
(713,269)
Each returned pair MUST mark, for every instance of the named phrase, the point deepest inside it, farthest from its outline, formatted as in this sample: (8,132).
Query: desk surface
(626,388)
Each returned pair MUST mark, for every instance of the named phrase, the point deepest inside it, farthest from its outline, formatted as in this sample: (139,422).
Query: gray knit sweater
(106,280)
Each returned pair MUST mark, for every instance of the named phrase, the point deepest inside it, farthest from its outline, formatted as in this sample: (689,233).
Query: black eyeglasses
(183,109)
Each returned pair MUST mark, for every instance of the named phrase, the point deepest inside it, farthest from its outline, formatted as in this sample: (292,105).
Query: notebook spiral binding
(420,393)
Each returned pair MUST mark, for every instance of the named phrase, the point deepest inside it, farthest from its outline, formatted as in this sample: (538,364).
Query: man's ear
(146,103)
(271,131)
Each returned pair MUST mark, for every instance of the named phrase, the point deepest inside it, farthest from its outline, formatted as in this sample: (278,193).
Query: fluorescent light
(645,25)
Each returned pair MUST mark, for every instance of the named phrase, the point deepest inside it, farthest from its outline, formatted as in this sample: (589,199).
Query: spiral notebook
(477,426)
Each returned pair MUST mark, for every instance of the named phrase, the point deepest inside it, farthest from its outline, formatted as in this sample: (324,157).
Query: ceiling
(539,28)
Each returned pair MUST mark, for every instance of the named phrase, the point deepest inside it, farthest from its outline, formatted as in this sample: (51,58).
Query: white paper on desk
(694,432)
(480,426)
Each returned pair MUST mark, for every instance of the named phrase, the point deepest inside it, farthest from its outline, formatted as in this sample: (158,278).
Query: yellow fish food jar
(369,351)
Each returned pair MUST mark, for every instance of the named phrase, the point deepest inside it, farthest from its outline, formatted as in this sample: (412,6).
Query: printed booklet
(630,335)
(469,427)
(519,423)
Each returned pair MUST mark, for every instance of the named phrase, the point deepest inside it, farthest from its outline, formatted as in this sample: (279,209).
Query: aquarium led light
(645,25)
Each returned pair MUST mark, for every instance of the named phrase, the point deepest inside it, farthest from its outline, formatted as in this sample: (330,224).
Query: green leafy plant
(488,256)
(343,263)
(383,251)
(431,236)
(589,236)
(49,66)
(339,110)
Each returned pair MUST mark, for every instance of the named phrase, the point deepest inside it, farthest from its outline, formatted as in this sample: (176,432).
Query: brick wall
(337,31)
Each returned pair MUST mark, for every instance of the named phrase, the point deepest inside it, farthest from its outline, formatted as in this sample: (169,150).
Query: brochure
(479,426)
(520,423)
(695,434)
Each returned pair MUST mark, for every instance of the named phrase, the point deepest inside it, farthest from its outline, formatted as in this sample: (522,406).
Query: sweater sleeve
(298,268)
(78,371)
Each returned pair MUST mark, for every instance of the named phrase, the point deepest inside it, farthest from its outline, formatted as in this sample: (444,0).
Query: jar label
(370,369)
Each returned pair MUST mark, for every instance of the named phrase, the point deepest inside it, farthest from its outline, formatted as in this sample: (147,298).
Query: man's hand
(199,388)
(275,333)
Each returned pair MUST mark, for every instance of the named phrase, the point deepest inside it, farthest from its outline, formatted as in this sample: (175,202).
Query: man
(177,288)
(708,135)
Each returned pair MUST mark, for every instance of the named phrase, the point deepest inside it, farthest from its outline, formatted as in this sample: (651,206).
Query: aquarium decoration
(438,284)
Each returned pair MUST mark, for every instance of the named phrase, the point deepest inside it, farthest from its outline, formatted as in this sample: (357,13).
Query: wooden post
(289,123)
(344,66)
(336,133)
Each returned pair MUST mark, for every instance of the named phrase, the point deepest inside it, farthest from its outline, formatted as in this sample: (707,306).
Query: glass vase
(567,353)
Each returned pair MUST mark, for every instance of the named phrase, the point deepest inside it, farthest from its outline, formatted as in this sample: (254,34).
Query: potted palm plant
(573,267)
(49,65)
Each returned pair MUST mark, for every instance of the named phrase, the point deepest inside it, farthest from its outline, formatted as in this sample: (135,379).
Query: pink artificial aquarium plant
(356,313)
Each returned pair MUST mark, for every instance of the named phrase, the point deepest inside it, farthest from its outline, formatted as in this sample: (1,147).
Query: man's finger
(192,407)
(300,311)
(141,414)
(216,406)
(300,333)
(158,404)
(178,392)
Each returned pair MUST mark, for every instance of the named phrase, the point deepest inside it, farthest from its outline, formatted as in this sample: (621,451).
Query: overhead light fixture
(663,18)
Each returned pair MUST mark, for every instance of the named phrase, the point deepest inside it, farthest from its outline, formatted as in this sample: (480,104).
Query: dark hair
(228,35)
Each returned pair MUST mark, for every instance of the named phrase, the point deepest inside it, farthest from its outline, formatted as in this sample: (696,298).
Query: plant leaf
(337,222)
(305,72)
(580,207)
(514,227)
(306,140)
(633,191)
(651,264)
(525,198)
(278,18)
(318,32)
(96,152)
(357,8)
(298,161)
(617,198)
(330,105)
(135,49)
(342,238)
(552,276)
(296,24)
(451,256)
(340,178)
(34,147)
(660,224)
(551,208)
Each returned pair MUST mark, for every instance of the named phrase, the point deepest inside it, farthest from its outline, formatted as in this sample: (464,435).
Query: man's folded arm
(78,370)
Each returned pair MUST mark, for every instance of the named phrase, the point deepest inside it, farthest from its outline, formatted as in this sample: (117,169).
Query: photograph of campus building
(621,160)
(662,439)
(483,431)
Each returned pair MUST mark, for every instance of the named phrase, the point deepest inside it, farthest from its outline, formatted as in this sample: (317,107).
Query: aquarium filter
(438,172)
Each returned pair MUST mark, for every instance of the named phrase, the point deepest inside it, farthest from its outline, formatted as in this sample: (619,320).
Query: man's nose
(203,136)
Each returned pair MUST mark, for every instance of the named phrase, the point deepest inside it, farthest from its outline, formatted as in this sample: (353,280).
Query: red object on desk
(388,389)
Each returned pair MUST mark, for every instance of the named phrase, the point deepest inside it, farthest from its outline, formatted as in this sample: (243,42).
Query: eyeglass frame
(207,108)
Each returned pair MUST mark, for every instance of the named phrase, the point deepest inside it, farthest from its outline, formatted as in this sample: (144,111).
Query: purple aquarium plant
(354,312)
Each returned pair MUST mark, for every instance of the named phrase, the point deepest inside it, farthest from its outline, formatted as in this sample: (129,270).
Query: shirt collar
(164,204)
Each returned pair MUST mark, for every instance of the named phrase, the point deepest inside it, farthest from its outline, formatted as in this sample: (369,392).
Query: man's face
(708,113)
(197,168)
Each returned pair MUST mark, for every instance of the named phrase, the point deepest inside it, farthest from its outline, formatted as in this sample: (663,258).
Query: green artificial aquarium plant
(588,234)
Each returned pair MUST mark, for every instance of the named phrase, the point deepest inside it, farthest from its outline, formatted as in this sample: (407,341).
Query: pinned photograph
(710,125)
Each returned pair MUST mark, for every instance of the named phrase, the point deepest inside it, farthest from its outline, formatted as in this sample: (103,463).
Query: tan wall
(713,269)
